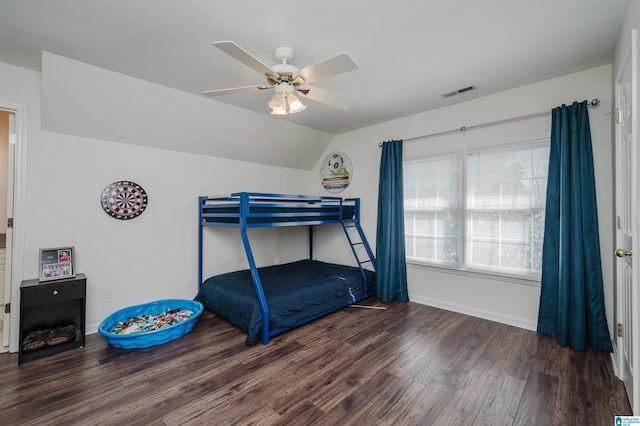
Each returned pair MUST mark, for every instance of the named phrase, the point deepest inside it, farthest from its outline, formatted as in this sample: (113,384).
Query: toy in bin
(150,324)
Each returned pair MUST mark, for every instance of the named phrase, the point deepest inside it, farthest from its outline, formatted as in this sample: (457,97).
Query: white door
(627,210)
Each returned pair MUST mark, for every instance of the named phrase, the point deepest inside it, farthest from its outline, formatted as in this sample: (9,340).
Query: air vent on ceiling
(459,91)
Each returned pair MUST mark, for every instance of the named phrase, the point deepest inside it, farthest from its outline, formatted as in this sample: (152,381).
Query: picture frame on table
(57,263)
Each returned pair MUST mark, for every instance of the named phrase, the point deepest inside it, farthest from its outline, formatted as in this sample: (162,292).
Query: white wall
(631,20)
(155,255)
(512,303)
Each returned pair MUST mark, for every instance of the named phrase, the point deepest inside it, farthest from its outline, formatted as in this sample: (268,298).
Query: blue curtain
(571,296)
(391,271)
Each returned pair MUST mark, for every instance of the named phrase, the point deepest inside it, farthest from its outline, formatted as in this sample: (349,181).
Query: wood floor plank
(465,404)
(302,414)
(351,374)
(518,361)
(396,410)
(408,364)
(63,408)
(438,322)
(537,402)
(321,379)
(409,354)
(442,354)
(359,406)
(494,356)
(424,408)
(224,387)
(472,345)
(266,387)
(599,378)
(501,405)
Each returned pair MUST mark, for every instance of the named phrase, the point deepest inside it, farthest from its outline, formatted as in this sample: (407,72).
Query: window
(480,210)
(433,209)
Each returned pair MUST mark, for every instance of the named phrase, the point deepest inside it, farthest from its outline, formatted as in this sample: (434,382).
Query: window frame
(462,268)
(461,208)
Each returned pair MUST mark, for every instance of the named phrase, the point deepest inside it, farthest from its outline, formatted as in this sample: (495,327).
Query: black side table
(49,305)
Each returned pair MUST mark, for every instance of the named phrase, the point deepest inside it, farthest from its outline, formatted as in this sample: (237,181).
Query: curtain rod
(593,102)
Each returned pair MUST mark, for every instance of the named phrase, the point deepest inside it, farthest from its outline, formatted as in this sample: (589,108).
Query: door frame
(8,211)
(16,262)
(635,211)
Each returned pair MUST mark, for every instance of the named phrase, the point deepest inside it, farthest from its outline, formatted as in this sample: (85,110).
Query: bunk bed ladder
(354,243)
(357,243)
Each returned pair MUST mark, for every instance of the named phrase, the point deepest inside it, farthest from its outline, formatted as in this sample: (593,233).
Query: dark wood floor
(409,364)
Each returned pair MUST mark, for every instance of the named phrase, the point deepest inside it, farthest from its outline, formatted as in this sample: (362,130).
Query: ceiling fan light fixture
(279,112)
(294,104)
(284,102)
(278,102)
(278,105)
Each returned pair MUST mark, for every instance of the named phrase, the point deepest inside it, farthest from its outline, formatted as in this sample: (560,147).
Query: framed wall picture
(57,263)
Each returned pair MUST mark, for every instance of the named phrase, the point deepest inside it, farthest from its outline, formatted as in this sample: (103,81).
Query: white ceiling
(409,52)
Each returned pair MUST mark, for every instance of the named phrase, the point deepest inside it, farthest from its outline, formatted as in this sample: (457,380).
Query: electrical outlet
(108,292)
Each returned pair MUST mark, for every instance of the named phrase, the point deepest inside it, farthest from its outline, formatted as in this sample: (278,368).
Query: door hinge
(618,222)
(618,115)
(10,222)
(620,332)
(7,308)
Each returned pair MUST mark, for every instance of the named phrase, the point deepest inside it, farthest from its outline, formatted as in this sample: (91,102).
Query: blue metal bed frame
(245,210)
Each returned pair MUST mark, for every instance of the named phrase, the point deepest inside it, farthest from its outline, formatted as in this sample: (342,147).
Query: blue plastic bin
(146,339)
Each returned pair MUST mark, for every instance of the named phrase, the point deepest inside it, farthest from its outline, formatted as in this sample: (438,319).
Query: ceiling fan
(286,79)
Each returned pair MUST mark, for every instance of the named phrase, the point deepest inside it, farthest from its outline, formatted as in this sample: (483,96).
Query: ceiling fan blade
(327,97)
(237,52)
(234,90)
(338,64)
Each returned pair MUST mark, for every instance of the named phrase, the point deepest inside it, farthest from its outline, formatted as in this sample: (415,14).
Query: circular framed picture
(124,200)
(336,172)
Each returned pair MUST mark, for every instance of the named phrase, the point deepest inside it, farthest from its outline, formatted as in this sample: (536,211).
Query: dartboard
(124,200)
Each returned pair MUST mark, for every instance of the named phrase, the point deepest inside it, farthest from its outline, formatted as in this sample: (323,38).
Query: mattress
(262,214)
(294,292)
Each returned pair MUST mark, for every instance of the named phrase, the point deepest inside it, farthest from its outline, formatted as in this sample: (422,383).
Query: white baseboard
(479,313)
(615,360)
(91,328)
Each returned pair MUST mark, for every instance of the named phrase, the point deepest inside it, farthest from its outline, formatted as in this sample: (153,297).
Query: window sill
(476,274)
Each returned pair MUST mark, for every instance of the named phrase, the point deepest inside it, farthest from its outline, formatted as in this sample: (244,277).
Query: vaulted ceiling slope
(408,52)
(83,100)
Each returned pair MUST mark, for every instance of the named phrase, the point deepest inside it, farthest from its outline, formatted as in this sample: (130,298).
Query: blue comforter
(294,292)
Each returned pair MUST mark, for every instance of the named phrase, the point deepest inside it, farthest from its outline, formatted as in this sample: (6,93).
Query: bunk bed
(267,301)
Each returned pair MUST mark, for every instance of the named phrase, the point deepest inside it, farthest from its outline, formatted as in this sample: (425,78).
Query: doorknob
(623,253)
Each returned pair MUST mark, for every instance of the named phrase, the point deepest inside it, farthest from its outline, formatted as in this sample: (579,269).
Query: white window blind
(481,210)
